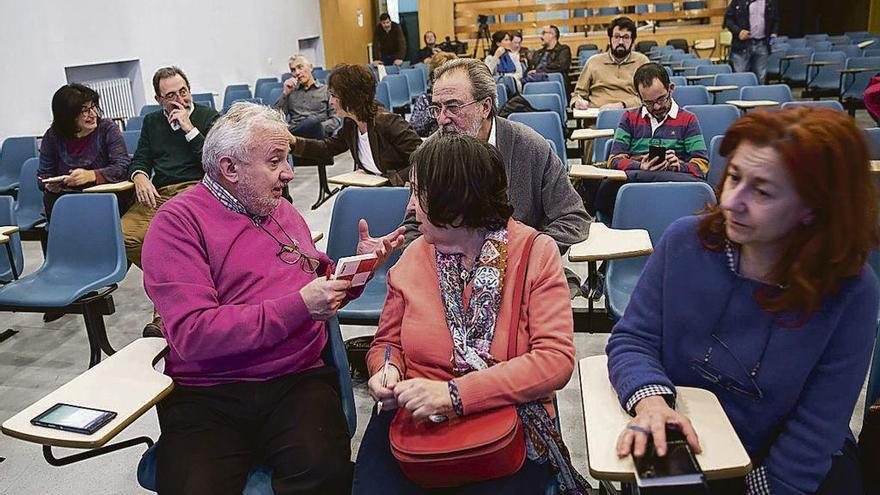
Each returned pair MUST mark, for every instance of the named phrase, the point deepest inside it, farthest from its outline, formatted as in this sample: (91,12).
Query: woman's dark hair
(497,38)
(459,181)
(646,74)
(355,88)
(67,103)
(826,156)
(623,23)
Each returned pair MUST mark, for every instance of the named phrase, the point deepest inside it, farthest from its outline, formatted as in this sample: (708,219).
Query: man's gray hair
(233,134)
(482,83)
(299,55)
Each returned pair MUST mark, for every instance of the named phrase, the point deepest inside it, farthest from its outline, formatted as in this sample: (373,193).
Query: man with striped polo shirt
(657,122)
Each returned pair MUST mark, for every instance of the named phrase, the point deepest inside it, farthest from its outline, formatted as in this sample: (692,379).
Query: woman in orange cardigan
(447,317)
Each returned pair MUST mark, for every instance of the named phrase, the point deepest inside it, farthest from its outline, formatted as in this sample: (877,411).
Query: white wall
(216,42)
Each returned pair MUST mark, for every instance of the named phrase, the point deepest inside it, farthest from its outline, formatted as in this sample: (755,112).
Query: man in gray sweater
(542,196)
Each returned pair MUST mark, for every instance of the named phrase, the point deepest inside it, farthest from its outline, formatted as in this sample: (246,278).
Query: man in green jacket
(168,160)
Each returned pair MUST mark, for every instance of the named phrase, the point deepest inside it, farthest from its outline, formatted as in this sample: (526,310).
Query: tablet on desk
(77,419)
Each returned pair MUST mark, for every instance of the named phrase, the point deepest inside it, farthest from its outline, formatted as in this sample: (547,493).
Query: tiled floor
(41,357)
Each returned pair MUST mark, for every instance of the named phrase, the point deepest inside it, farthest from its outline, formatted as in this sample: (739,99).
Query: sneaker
(154,328)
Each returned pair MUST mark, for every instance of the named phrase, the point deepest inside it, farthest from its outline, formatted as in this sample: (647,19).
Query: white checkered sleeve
(756,482)
(648,391)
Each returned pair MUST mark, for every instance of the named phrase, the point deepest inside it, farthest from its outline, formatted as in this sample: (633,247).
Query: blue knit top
(689,303)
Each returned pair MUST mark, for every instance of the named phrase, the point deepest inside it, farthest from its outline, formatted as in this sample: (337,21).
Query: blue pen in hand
(384,375)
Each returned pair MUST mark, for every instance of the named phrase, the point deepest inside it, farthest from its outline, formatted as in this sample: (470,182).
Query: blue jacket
(810,375)
(736,18)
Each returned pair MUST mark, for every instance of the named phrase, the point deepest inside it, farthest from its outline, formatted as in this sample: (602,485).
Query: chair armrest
(125,383)
(111,187)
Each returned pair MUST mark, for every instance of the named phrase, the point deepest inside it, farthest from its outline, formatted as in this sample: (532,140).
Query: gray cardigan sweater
(540,191)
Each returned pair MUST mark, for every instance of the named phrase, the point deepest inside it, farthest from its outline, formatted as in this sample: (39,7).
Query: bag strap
(518,290)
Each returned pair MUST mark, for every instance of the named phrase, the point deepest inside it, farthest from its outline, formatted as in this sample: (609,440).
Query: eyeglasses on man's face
(450,108)
(660,100)
(182,93)
(622,37)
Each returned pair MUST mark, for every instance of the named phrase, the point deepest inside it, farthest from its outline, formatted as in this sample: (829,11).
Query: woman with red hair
(767,302)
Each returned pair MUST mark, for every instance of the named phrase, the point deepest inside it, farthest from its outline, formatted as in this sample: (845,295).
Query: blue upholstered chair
(7,218)
(29,201)
(739,79)
(398,91)
(384,209)
(607,119)
(416,82)
(206,99)
(84,262)
(148,109)
(832,104)
(546,124)
(265,88)
(135,123)
(546,87)
(383,95)
(549,102)
(239,89)
(691,95)
(714,119)
(717,163)
(501,95)
(131,139)
(774,92)
(13,153)
(653,207)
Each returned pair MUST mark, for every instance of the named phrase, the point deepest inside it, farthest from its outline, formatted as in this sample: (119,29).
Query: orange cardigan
(413,322)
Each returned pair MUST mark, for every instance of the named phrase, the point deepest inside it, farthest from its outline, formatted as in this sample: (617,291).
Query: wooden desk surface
(593,172)
(589,113)
(126,384)
(317,235)
(875,169)
(358,178)
(699,78)
(586,134)
(5,231)
(723,454)
(819,63)
(723,87)
(744,104)
(866,43)
(111,187)
(605,243)
(792,57)
(856,71)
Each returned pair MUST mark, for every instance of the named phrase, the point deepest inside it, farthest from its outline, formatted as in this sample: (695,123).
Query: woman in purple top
(80,145)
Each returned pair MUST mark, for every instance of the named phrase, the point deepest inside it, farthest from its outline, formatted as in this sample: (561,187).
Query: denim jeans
(751,58)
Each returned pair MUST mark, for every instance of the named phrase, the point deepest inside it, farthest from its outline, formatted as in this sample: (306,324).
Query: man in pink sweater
(242,290)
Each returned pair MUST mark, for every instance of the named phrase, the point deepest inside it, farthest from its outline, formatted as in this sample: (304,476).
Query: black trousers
(294,424)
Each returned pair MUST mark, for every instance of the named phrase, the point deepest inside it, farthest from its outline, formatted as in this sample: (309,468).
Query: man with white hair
(243,294)
(306,102)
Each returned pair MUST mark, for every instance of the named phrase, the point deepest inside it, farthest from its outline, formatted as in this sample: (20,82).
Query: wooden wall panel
(437,16)
(344,40)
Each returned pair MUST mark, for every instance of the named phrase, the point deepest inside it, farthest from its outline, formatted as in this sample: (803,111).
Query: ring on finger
(638,429)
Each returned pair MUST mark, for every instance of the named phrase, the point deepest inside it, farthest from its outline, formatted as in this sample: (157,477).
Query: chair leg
(324,192)
(97,332)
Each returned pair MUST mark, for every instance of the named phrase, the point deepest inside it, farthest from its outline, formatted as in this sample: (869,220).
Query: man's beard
(253,202)
(620,52)
(472,131)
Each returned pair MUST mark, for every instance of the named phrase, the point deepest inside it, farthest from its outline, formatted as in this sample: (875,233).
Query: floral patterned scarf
(473,329)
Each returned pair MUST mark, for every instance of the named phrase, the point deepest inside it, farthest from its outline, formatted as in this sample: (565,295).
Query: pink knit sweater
(231,309)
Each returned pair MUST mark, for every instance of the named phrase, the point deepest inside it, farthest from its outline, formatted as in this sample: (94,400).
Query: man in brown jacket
(389,44)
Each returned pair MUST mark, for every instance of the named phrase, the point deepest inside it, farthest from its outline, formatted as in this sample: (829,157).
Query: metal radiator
(116,99)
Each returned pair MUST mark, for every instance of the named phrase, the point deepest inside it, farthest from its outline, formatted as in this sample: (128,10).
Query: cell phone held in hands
(658,152)
(678,467)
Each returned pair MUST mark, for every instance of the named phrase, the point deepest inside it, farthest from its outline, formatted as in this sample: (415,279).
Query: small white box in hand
(355,268)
